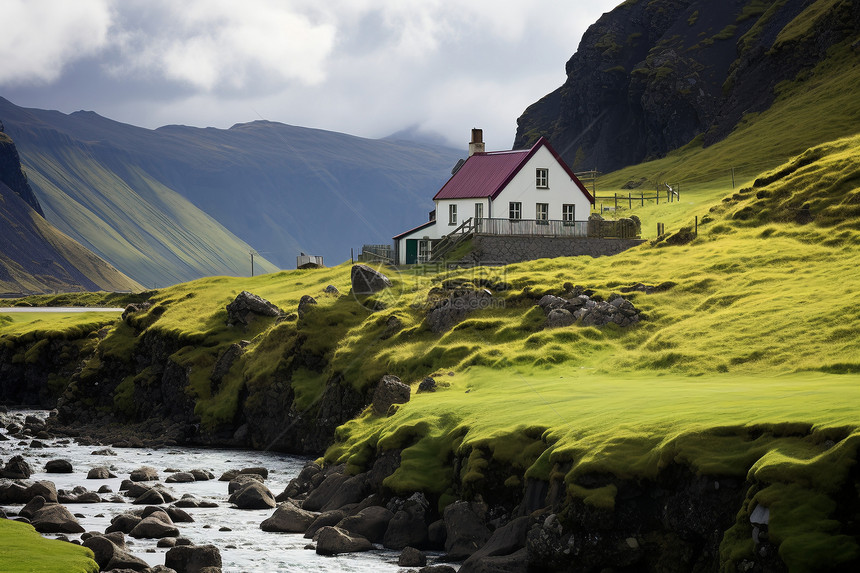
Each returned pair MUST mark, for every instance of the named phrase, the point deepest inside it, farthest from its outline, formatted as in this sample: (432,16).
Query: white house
(522,192)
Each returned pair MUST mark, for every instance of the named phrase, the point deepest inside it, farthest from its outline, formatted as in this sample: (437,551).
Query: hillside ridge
(649,77)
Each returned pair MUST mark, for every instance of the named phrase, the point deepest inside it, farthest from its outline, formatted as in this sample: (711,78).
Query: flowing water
(243,545)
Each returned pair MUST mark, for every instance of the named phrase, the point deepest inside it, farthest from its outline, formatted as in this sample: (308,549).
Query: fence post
(642,197)
(697,225)
(629,200)
(616,200)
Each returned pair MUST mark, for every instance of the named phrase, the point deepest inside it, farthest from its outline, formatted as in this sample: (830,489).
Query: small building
(523,192)
(304,261)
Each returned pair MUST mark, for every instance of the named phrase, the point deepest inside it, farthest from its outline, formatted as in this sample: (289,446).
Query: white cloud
(39,37)
(367,67)
(224,44)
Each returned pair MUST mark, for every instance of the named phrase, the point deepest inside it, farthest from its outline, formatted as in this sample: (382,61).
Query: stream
(243,545)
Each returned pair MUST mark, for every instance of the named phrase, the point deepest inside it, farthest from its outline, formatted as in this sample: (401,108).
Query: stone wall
(488,249)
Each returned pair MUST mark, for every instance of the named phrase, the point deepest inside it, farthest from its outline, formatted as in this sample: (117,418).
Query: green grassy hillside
(747,365)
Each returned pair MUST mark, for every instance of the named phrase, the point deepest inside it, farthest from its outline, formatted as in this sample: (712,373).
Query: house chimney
(477,143)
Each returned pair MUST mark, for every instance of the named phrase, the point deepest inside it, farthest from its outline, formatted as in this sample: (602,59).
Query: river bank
(236,533)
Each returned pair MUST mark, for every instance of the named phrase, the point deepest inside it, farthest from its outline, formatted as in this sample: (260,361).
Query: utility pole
(252,253)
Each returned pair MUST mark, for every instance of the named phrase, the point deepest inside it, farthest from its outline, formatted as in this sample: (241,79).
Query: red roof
(486,174)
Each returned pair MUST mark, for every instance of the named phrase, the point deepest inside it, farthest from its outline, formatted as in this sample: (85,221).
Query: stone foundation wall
(490,249)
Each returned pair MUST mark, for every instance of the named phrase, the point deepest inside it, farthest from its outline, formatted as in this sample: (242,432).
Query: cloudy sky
(365,67)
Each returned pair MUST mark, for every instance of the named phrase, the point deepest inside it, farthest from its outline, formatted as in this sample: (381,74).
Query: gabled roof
(418,228)
(487,174)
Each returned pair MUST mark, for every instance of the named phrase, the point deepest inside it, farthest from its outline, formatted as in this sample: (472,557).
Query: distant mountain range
(177,203)
(34,255)
(649,77)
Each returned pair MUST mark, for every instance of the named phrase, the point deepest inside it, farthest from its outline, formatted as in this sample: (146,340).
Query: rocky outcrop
(648,77)
(452,302)
(366,280)
(193,559)
(246,306)
(389,391)
(564,311)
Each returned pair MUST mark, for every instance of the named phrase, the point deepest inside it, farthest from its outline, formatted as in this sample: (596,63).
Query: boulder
(305,303)
(559,317)
(59,467)
(202,475)
(412,557)
(54,518)
(246,305)
(505,540)
(427,385)
(366,280)
(100,472)
(46,489)
(14,493)
(390,390)
(177,515)
(110,555)
(325,518)
(324,491)
(103,452)
(242,480)
(549,302)
(253,496)
(288,519)
(333,540)
(144,473)
(408,527)
(124,523)
(259,471)
(180,477)
(332,290)
(17,468)
(152,496)
(193,558)
(351,491)
(154,527)
(34,505)
(370,523)
(465,531)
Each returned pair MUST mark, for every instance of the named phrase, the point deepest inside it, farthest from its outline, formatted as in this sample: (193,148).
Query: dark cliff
(649,77)
(11,173)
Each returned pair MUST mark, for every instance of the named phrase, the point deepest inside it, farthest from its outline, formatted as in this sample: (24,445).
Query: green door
(411,251)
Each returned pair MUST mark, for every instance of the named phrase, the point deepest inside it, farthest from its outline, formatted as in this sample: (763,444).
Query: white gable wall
(523,188)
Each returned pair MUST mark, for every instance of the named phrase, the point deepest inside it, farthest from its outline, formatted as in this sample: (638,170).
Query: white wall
(562,190)
(465,209)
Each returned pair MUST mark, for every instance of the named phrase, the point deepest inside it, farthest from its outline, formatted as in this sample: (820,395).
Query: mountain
(178,203)
(35,256)
(649,77)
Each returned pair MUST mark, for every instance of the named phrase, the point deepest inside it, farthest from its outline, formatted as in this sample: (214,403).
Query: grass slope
(748,366)
(817,107)
(23,550)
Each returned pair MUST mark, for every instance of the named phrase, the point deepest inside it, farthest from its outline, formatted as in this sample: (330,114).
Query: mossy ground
(23,550)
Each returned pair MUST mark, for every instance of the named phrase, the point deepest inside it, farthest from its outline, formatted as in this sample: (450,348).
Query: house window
(515,210)
(479,210)
(423,251)
(568,214)
(542,178)
(452,214)
(542,213)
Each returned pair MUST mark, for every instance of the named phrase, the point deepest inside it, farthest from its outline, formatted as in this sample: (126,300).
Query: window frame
(515,207)
(568,216)
(542,213)
(542,177)
(452,214)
